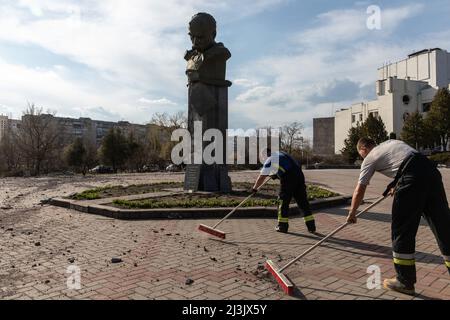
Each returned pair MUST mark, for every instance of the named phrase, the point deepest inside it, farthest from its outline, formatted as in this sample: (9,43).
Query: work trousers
(420,192)
(292,185)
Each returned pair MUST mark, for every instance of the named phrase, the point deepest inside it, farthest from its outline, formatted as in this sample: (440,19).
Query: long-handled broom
(284,282)
(213,231)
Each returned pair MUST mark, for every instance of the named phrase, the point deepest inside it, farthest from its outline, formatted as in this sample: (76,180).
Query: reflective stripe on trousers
(447,261)
(280,217)
(404,259)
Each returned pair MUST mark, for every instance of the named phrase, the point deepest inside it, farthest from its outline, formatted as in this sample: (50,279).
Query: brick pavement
(38,243)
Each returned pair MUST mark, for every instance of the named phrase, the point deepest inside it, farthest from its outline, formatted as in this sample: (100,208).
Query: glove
(389,187)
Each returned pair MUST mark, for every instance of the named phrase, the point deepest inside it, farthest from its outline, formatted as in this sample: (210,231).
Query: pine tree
(350,151)
(114,150)
(76,154)
(375,129)
(414,132)
(438,118)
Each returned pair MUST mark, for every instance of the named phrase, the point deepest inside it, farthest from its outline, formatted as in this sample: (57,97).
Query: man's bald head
(364,146)
(366,143)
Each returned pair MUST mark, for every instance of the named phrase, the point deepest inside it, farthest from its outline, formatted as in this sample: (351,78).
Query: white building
(402,88)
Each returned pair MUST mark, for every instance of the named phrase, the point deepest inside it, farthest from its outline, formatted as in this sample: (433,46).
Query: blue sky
(123,60)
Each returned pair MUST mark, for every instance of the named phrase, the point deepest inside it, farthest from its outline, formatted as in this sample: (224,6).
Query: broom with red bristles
(213,231)
(283,281)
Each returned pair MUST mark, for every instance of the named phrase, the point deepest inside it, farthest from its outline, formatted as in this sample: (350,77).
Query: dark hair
(366,143)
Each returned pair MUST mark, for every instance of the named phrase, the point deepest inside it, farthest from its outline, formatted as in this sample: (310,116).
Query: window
(360,117)
(374,114)
(406,99)
(353,118)
(426,107)
(381,88)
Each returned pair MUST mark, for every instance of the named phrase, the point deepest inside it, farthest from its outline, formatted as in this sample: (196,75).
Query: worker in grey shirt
(418,190)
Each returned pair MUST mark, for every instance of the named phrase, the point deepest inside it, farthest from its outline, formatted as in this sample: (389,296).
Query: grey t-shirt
(385,158)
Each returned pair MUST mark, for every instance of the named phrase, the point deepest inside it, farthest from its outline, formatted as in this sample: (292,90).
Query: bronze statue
(208,93)
(207,59)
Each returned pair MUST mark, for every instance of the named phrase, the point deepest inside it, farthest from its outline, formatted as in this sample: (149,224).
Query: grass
(117,191)
(267,197)
(90,194)
(192,201)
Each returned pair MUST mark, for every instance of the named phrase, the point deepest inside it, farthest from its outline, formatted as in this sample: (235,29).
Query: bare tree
(37,138)
(160,119)
(291,136)
(9,153)
(170,121)
(160,130)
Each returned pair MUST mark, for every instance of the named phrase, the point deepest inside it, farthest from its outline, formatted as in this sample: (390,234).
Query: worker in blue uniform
(280,165)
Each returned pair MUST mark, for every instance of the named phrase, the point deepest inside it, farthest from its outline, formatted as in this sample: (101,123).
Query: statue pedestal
(211,178)
(208,104)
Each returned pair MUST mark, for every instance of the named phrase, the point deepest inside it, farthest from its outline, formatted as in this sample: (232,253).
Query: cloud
(255,94)
(157,102)
(342,26)
(335,91)
(329,65)
(132,50)
(132,57)
(41,7)
(238,120)
(393,17)
(101,113)
(52,88)
(246,83)
(142,44)
(5,110)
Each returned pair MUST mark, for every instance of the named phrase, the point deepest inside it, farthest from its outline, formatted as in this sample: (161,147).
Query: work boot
(395,285)
(311,225)
(282,227)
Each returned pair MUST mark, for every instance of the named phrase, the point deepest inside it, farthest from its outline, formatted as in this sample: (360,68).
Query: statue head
(202,30)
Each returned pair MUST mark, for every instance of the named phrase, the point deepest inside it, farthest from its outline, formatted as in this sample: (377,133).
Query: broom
(282,280)
(220,234)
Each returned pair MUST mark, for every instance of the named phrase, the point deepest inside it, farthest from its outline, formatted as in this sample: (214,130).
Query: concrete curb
(188,213)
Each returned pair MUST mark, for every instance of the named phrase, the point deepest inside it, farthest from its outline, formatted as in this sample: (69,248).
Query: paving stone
(337,270)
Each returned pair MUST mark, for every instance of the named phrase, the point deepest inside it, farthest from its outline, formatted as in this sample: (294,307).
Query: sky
(123,59)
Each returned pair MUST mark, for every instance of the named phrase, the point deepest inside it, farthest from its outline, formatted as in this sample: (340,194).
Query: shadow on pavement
(419,296)
(424,297)
(383,251)
(371,216)
(380,251)
(298,294)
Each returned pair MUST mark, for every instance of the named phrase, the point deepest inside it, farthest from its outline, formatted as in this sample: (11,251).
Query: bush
(441,158)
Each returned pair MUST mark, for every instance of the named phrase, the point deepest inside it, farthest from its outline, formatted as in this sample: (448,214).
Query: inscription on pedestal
(192,177)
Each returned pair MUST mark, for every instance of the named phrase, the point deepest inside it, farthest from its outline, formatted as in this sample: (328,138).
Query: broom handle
(330,235)
(240,204)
